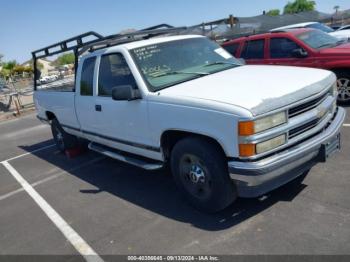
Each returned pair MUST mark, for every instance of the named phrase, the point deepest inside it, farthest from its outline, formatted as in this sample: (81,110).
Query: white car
(345,27)
(340,34)
(227,130)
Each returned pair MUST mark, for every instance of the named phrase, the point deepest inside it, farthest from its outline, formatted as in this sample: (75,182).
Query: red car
(297,47)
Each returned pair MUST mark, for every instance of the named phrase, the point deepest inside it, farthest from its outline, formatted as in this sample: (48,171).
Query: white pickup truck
(227,130)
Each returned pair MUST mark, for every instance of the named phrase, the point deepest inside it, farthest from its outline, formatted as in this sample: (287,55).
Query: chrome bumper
(256,178)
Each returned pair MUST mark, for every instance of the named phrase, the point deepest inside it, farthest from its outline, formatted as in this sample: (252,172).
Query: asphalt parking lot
(114,208)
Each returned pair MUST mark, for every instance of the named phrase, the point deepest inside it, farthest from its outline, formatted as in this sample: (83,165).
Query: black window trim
(93,78)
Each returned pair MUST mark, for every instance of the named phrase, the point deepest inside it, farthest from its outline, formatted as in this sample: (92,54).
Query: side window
(113,72)
(254,49)
(87,77)
(232,49)
(282,47)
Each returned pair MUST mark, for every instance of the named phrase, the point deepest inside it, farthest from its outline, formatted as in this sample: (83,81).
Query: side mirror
(299,53)
(125,93)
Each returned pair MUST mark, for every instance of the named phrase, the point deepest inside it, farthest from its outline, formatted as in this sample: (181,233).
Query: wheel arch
(170,137)
(338,70)
(50,115)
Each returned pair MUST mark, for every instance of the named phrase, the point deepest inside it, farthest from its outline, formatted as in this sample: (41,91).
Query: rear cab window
(254,49)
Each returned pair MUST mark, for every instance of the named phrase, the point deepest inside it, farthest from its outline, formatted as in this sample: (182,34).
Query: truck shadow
(156,191)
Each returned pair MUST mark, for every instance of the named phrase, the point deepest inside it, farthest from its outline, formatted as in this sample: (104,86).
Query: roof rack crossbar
(128,37)
(63,45)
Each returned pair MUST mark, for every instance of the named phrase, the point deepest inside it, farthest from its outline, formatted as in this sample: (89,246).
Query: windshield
(321,27)
(318,39)
(169,63)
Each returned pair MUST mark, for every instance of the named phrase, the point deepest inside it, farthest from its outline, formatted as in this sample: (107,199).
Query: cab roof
(153,41)
(294,31)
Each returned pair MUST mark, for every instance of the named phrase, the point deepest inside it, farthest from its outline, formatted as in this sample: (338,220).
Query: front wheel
(200,171)
(343,84)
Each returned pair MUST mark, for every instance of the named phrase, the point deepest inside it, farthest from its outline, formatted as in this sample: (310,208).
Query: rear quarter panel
(59,103)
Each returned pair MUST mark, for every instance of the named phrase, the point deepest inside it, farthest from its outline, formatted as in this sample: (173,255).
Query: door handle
(98,108)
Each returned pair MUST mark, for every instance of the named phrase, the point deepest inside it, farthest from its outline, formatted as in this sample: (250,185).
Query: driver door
(120,124)
(281,53)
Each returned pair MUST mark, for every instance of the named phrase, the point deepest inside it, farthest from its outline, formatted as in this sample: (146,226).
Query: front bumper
(256,178)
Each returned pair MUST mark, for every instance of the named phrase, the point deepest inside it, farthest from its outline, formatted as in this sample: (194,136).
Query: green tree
(64,59)
(9,65)
(299,6)
(1,56)
(39,65)
(273,12)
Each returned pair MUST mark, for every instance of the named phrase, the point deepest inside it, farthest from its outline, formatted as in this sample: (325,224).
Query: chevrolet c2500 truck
(226,130)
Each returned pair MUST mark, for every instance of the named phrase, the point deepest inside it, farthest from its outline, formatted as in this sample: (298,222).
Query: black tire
(199,168)
(343,84)
(62,139)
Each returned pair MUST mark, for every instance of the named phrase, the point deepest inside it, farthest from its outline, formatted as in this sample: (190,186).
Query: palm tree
(336,8)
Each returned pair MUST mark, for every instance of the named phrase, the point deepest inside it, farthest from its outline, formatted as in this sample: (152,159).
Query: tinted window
(87,77)
(254,50)
(321,27)
(232,49)
(114,71)
(318,39)
(282,47)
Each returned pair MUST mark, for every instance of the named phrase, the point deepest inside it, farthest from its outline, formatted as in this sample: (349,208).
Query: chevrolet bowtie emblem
(321,111)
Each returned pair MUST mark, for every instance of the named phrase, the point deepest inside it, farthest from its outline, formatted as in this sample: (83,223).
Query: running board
(125,157)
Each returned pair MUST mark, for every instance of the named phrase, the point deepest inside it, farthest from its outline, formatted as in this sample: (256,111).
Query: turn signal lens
(246,128)
(246,150)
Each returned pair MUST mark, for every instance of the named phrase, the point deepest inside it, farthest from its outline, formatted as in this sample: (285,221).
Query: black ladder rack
(79,46)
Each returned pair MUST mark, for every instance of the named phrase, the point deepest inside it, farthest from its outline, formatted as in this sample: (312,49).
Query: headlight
(270,144)
(247,150)
(334,90)
(248,128)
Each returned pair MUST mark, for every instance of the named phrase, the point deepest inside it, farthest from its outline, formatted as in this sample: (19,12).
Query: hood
(342,34)
(257,88)
(343,50)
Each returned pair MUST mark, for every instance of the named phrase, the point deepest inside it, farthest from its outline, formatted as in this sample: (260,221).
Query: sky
(29,25)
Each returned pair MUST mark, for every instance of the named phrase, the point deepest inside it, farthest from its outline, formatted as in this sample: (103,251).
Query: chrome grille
(299,109)
(300,129)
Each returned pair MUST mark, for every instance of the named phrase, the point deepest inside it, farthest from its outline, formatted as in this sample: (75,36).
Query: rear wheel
(200,170)
(343,84)
(62,139)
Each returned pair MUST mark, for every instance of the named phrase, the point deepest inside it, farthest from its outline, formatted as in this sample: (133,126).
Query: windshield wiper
(180,73)
(327,44)
(222,63)
(340,42)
